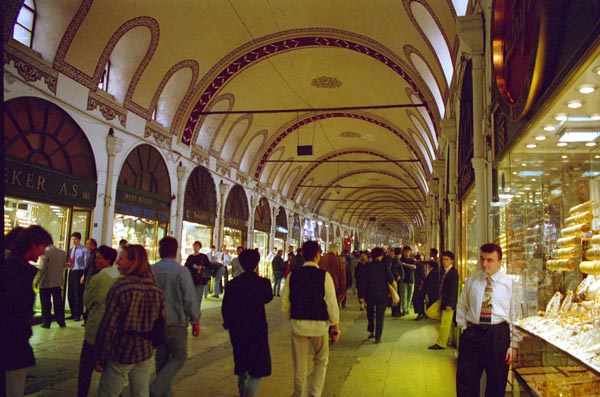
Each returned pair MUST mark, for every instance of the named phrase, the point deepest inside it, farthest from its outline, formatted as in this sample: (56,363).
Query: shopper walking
(182,308)
(309,301)
(377,278)
(132,325)
(244,316)
(278,265)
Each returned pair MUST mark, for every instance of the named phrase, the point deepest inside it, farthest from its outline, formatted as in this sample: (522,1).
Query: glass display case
(146,232)
(261,242)
(195,232)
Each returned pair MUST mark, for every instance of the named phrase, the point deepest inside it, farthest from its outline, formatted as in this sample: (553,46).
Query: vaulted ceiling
(248,81)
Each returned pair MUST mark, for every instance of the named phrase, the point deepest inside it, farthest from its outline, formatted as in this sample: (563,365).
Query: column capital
(181,170)
(113,144)
(470,30)
(449,130)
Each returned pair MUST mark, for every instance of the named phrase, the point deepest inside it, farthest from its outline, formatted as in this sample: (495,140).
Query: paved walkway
(400,366)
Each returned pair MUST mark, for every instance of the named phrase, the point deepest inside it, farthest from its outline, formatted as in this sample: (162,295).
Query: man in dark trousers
(309,301)
(449,296)
(77,259)
(486,310)
(49,280)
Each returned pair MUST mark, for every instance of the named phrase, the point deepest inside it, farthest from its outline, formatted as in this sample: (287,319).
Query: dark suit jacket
(450,289)
(243,311)
(376,278)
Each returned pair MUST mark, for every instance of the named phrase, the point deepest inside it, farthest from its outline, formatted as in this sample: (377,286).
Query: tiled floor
(400,366)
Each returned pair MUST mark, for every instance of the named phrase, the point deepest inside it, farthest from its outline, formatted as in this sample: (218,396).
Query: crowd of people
(136,315)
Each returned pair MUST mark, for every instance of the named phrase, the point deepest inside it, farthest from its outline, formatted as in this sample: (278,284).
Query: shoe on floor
(62,325)
(420,317)
(377,340)
(47,326)
(436,347)
(371,335)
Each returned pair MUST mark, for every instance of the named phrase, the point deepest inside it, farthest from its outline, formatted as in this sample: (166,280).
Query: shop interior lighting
(540,138)
(595,117)
(530,173)
(586,89)
(579,136)
(574,104)
(590,144)
(549,127)
(561,116)
(591,174)
(562,144)
(597,156)
(564,156)
(596,70)
(531,146)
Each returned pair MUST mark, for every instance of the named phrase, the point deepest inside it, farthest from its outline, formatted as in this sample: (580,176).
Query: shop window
(23,28)
(103,83)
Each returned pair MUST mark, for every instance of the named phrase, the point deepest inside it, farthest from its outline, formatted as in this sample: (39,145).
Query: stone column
(181,171)
(220,233)
(449,135)
(253,203)
(113,147)
(274,214)
(470,30)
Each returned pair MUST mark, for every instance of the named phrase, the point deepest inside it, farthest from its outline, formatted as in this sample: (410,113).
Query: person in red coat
(332,264)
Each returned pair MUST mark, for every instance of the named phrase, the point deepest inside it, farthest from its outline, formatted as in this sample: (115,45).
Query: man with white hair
(332,264)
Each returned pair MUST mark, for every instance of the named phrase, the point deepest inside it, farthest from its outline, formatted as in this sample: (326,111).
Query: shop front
(281,230)
(49,170)
(235,219)
(296,233)
(143,200)
(199,211)
(262,230)
(310,230)
(546,204)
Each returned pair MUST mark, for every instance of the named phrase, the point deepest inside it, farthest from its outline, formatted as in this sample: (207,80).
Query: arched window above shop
(103,83)
(237,204)
(25,24)
(146,170)
(201,194)
(39,132)
(263,211)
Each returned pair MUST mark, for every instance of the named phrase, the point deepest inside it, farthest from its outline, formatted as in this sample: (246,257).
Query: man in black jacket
(449,296)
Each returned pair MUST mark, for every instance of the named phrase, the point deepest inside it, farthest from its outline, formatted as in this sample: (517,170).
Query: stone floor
(400,366)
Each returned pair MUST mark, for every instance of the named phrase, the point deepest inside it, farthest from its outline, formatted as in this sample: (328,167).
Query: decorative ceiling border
(321,116)
(261,48)
(91,82)
(157,132)
(29,64)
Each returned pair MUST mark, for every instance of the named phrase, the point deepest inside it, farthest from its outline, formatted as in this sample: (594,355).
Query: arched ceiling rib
(244,55)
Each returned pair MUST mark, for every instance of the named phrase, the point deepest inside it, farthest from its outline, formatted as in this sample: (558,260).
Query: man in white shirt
(223,258)
(486,310)
(309,300)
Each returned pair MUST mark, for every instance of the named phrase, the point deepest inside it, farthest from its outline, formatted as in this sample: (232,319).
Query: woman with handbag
(377,278)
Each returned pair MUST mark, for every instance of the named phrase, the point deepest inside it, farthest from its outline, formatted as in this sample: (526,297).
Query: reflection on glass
(141,231)
(24,213)
(195,232)
(469,260)
(261,242)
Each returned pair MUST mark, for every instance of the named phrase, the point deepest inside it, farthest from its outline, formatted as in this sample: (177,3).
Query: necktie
(73,257)
(486,305)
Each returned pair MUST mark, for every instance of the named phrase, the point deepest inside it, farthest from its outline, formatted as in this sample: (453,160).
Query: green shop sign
(32,182)
(131,201)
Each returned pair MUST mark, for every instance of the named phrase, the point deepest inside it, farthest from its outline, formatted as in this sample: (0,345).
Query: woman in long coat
(376,279)
(243,311)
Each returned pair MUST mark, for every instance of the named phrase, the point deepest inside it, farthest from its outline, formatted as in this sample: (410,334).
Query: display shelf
(581,360)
